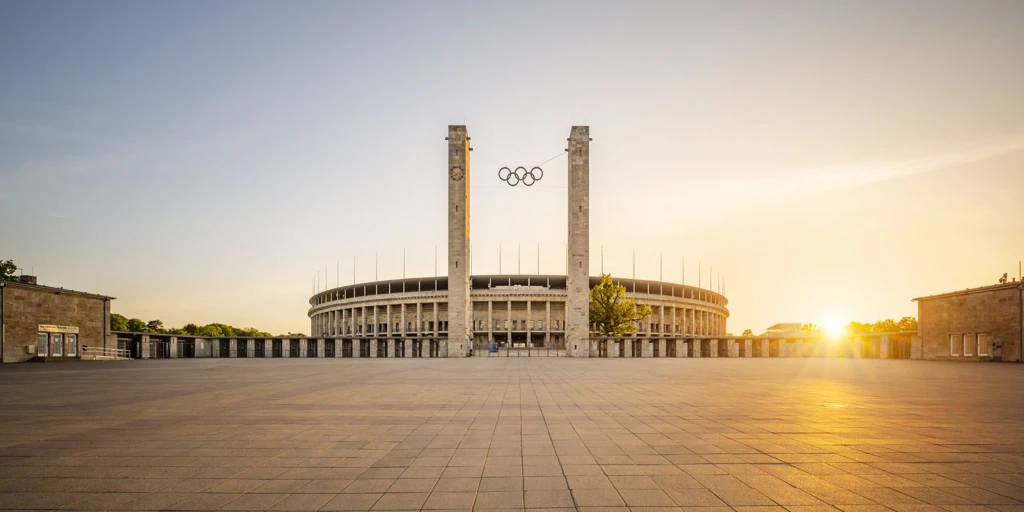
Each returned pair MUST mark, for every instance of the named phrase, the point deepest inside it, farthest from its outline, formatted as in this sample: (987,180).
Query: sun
(834,327)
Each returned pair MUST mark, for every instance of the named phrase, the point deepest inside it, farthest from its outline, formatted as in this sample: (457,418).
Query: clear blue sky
(202,160)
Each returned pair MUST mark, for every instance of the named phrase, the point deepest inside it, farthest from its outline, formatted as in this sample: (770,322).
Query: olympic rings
(520,175)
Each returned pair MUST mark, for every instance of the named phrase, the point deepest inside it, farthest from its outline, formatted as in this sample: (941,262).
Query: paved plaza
(702,435)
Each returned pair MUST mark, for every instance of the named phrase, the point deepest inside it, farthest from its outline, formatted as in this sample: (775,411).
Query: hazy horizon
(203,162)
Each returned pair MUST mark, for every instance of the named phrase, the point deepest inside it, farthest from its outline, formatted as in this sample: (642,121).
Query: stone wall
(988,315)
(27,306)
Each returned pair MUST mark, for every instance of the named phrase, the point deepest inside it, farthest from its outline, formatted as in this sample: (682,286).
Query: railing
(100,353)
(550,351)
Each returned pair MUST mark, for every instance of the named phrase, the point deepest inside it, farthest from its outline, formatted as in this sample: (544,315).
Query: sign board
(67,329)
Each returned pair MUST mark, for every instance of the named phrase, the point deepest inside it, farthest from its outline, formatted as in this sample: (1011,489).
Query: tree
(136,325)
(155,326)
(7,269)
(611,313)
(118,323)
(907,323)
(810,328)
(747,332)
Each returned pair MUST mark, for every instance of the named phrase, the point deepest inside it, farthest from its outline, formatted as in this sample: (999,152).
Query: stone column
(356,347)
(783,348)
(373,348)
(663,348)
(215,348)
(437,327)
(173,347)
(460,305)
(883,352)
(748,347)
(250,348)
(529,324)
(490,322)
(547,324)
(390,351)
(232,347)
(697,345)
(320,349)
(284,348)
(402,325)
(713,349)
(577,305)
(419,319)
(407,347)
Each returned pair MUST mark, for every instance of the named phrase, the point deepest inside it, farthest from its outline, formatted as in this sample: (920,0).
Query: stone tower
(459,302)
(577,314)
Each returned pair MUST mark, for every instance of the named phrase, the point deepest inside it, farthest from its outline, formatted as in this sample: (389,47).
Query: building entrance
(382,348)
(435,348)
(364,348)
(276,349)
(261,346)
(242,348)
(293,348)
(329,348)
(42,344)
(224,348)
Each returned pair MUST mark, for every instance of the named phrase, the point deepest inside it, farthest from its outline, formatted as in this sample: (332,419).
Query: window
(954,342)
(72,345)
(42,344)
(515,325)
(969,344)
(57,344)
(983,344)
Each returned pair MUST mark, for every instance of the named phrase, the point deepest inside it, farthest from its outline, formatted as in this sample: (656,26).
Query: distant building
(977,324)
(46,323)
(786,329)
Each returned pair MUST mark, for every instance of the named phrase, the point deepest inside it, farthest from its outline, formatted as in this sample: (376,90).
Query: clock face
(456,173)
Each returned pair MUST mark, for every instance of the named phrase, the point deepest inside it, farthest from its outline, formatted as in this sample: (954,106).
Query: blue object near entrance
(494,347)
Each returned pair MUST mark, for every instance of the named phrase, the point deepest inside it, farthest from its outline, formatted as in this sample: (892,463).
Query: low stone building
(45,323)
(977,324)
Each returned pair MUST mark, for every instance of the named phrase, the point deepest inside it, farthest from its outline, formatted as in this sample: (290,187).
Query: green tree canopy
(136,325)
(747,332)
(611,313)
(7,269)
(118,322)
(155,326)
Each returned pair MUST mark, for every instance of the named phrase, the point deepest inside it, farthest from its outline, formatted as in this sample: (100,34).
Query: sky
(205,161)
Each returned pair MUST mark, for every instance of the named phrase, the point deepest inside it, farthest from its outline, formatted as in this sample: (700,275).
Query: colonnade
(545,317)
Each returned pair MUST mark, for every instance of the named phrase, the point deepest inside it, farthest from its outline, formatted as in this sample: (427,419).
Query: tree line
(124,324)
(907,323)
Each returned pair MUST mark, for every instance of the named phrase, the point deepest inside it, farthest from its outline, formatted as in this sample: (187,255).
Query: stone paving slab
(695,435)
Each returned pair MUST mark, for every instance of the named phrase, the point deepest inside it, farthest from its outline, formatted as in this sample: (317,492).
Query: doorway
(329,348)
(417,348)
(346,348)
(602,348)
(311,348)
(242,348)
(435,348)
(260,348)
(293,348)
(224,348)
(276,349)
(364,348)
(399,348)
(382,348)
(42,344)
